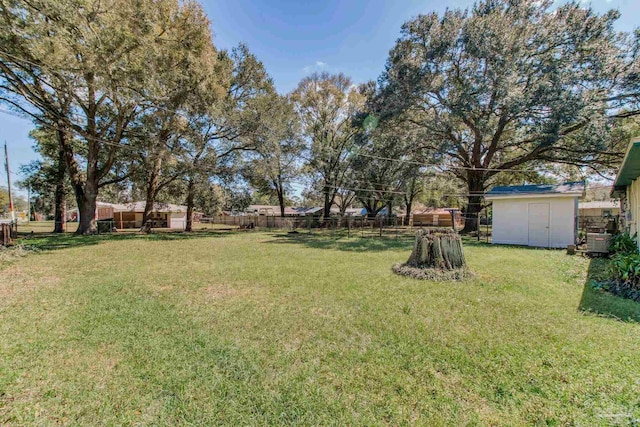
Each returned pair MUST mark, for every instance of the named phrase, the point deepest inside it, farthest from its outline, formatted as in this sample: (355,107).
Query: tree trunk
(152,190)
(87,210)
(474,206)
(407,218)
(327,203)
(440,249)
(60,210)
(281,201)
(190,197)
(475,186)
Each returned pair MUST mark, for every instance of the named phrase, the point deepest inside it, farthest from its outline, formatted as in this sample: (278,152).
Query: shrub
(626,267)
(624,243)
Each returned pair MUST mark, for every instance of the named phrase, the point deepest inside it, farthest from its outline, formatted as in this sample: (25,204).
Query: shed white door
(539,224)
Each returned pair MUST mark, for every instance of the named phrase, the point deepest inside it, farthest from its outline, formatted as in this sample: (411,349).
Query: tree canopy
(511,84)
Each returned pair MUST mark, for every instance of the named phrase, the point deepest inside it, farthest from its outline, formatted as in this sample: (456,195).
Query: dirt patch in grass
(17,280)
(217,292)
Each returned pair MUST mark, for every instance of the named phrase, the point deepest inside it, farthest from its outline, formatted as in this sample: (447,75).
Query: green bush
(624,243)
(626,267)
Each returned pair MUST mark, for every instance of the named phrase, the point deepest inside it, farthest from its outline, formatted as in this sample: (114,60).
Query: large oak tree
(512,84)
(88,69)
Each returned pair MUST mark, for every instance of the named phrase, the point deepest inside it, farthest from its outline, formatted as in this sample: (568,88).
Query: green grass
(271,329)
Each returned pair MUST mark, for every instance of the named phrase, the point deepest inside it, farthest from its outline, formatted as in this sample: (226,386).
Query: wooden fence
(308,222)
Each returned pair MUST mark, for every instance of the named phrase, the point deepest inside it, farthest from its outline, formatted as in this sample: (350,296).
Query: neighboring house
(627,187)
(598,216)
(605,209)
(163,215)
(129,215)
(269,210)
(104,210)
(436,217)
(536,215)
(314,212)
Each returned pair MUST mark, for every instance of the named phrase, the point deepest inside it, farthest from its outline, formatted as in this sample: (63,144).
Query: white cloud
(319,65)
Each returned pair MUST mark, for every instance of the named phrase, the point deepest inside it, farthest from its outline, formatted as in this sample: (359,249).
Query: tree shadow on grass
(354,241)
(604,303)
(340,241)
(51,241)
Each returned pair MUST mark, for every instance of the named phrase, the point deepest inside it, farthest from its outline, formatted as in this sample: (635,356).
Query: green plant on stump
(437,255)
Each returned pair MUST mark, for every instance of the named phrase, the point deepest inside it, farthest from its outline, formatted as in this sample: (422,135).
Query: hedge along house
(626,187)
(536,215)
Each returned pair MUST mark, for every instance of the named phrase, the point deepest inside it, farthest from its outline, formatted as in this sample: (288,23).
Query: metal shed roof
(568,188)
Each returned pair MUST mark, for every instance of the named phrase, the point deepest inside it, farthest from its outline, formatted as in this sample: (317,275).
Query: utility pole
(29,202)
(6,159)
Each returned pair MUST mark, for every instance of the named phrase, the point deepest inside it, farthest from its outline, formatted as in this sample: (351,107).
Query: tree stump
(437,255)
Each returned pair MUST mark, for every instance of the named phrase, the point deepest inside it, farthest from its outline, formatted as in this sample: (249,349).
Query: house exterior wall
(511,220)
(104,212)
(598,211)
(632,208)
(177,220)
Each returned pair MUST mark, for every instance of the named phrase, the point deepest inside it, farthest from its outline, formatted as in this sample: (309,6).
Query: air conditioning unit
(598,243)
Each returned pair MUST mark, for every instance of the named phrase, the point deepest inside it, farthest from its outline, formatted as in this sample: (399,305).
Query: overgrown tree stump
(437,255)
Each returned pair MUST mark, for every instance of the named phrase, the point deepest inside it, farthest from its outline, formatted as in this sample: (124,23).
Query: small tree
(276,159)
(327,105)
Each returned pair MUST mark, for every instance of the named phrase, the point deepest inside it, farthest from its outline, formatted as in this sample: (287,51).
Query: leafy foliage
(327,105)
(626,267)
(509,85)
(624,243)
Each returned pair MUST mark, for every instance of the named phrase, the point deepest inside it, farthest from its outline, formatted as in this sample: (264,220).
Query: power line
(178,113)
(125,146)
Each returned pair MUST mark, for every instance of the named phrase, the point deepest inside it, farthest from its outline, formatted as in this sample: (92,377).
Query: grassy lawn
(270,329)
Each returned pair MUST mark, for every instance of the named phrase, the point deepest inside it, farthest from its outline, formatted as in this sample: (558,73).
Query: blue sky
(294,38)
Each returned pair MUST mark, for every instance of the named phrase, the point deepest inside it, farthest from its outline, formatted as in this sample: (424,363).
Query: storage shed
(536,215)
(163,215)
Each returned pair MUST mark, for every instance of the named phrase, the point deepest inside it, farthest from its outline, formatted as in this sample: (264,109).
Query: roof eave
(630,169)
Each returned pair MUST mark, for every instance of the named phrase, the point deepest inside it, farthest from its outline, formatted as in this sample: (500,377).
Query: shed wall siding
(511,221)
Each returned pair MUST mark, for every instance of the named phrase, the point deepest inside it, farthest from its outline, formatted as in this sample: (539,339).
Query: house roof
(271,208)
(311,210)
(565,189)
(599,205)
(139,207)
(630,167)
(435,211)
